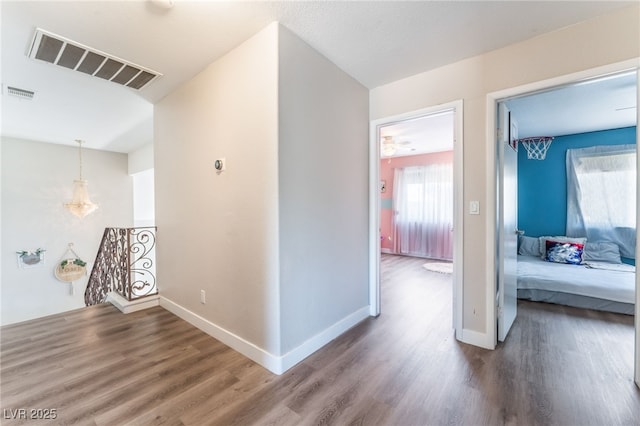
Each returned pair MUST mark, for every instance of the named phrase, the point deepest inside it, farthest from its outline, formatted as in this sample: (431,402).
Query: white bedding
(616,285)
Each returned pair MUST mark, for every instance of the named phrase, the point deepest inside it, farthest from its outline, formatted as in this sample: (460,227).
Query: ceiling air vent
(20,93)
(57,50)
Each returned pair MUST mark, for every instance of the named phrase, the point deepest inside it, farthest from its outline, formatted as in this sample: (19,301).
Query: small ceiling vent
(20,93)
(57,50)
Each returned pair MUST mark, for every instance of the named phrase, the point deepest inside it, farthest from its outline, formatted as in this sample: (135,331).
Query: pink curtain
(423,216)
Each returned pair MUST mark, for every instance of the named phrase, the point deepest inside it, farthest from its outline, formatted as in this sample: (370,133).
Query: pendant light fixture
(80,205)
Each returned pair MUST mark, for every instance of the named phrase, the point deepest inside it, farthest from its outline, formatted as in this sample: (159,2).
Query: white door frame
(492,102)
(374,205)
(637,317)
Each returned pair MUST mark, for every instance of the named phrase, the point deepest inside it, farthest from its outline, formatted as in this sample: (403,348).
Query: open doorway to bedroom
(417,168)
(577,207)
(416,188)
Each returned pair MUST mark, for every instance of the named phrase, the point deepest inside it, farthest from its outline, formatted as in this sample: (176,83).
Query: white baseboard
(475,338)
(296,355)
(386,250)
(246,348)
(127,306)
(275,364)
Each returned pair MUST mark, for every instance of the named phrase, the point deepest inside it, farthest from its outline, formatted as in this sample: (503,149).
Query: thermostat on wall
(219,164)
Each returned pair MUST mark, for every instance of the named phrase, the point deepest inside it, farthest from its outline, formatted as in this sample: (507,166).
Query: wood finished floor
(559,366)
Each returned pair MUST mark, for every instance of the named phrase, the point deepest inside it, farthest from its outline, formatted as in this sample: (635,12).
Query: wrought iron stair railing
(125,264)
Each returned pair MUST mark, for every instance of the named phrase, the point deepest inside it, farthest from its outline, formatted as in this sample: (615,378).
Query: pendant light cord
(80,155)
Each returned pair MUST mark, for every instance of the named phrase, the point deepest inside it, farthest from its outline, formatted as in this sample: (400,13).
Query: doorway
(580,79)
(384,145)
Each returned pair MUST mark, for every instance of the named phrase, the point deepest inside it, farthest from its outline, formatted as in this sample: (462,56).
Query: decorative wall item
(29,259)
(70,268)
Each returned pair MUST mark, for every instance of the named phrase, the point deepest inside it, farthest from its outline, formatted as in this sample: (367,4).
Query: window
(601,195)
(415,202)
(423,203)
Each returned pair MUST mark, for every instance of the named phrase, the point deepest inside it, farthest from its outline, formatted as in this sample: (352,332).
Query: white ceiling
(603,103)
(431,133)
(376,42)
(607,102)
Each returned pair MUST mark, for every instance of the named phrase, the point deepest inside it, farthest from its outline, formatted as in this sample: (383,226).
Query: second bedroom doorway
(418,171)
(416,195)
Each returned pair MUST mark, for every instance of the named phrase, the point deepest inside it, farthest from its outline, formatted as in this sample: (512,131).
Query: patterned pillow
(560,239)
(564,252)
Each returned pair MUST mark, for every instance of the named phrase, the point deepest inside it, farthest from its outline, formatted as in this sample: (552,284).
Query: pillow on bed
(529,246)
(602,251)
(563,252)
(560,239)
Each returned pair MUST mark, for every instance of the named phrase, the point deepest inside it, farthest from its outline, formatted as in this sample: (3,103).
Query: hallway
(558,367)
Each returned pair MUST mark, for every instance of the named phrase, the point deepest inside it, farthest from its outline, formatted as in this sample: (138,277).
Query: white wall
(219,232)
(323,181)
(141,159)
(278,241)
(605,40)
(37,179)
(143,198)
(140,164)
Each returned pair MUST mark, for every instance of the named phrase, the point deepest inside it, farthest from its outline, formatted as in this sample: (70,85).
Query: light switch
(474,207)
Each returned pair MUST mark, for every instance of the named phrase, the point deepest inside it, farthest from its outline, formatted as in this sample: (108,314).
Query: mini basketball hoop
(536,146)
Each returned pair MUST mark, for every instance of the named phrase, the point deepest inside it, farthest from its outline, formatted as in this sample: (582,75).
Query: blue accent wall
(542,184)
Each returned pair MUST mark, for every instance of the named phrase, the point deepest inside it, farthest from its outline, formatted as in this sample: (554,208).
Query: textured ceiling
(375,42)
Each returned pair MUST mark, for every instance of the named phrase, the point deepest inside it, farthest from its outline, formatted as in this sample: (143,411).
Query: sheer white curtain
(601,195)
(423,204)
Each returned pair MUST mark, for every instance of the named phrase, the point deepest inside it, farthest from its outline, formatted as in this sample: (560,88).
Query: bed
(597,280)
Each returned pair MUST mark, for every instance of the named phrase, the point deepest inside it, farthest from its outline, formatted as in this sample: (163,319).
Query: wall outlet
(203,297)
